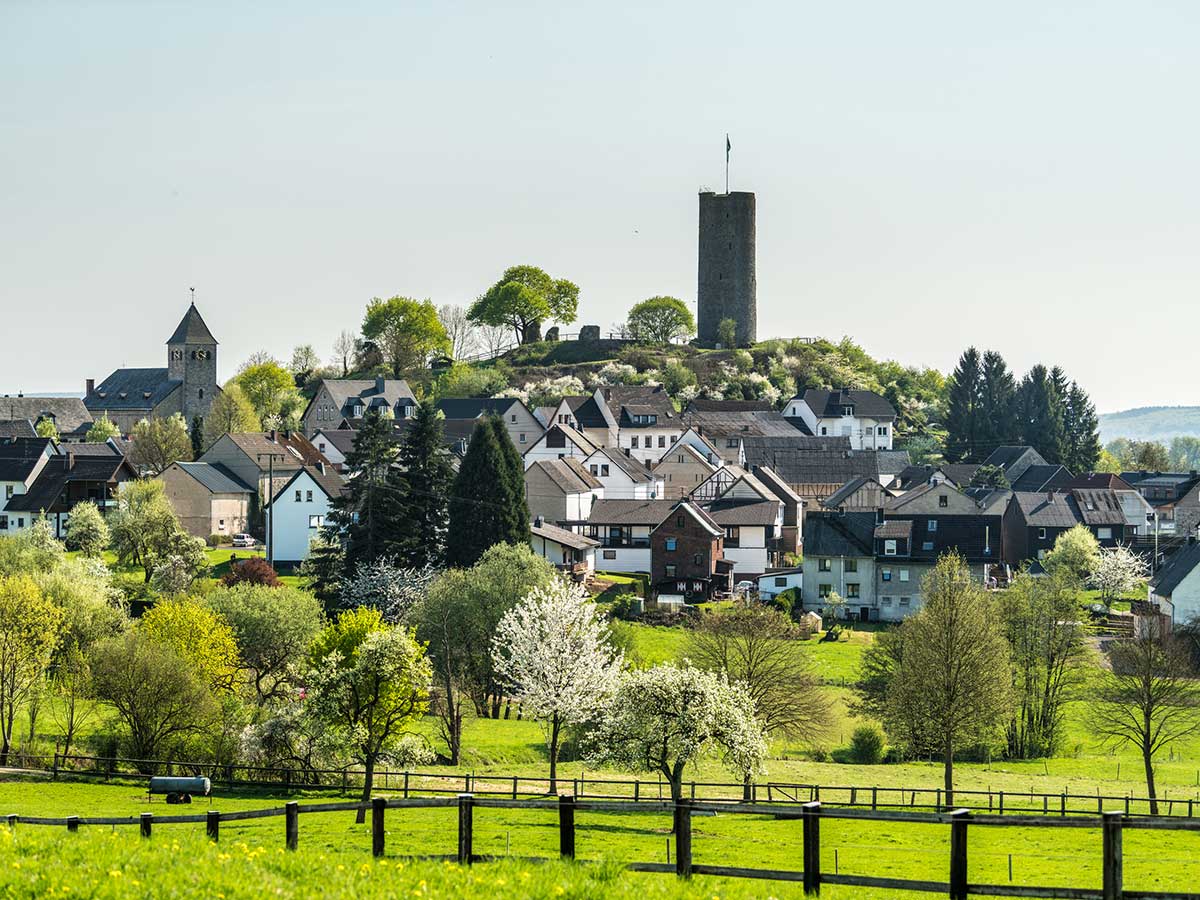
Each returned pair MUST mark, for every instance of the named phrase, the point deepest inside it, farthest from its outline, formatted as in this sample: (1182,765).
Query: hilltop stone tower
(727,286)
(192,360)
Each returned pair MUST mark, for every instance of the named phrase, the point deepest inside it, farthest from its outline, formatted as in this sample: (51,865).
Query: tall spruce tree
(963,409)
(516,507)
(998,418)
(365,518)
(424,477)
(481,502)
(1042,414)
(197,437)
(1081,431)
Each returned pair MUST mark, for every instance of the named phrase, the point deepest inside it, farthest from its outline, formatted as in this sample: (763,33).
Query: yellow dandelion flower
(114,873)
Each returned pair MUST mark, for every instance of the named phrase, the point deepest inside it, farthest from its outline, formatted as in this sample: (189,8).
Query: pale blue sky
(928,174)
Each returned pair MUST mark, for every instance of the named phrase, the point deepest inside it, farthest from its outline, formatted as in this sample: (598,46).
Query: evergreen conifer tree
(364,519)
(1042,414)
(963,409)
(1081,431)
(998,416)
(197,437)
(476,501)
(425,478)
(516,507)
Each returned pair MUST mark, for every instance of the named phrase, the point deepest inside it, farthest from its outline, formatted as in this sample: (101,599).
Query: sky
(929,175)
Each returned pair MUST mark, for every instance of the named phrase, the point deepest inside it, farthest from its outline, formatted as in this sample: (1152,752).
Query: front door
(865,615)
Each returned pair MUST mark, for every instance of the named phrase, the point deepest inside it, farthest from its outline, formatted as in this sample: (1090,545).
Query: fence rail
(411,784)
(1110,823)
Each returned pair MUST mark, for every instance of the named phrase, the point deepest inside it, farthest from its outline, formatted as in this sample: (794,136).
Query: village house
(560,442)
(296,514)
(1033,522)
(865,417)
(752,517)
(207,499)
(21,461)
(1174,499)
(839,557)
(728,424)
(774,582)
(186,386)
(1139,513)
(623,477)
(64,481)
(687,556)
(68,415)
(623,529)
(860,492)
(957,474)
(253,457)
(561,491)
(519,421)
(1175,588)
(683,468)
(571,553)
(345,402)
(646,420)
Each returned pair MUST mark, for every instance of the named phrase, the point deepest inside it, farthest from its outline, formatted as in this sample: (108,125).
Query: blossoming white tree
(663,718)
(552,652)
(1119,572)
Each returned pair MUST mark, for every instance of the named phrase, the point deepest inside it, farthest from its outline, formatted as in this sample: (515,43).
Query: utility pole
(270,504)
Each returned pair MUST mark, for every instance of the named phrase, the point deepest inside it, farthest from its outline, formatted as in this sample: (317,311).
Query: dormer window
(847,410)
(358,410)
(943,501)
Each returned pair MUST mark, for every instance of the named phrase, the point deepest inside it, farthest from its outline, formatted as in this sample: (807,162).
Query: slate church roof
(191,329)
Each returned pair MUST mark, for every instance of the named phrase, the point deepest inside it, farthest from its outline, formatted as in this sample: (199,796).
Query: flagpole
(727,163)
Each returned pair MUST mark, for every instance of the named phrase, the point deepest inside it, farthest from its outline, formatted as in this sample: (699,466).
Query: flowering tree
(661,719)
(387,587)
(553,654)
(1118,572)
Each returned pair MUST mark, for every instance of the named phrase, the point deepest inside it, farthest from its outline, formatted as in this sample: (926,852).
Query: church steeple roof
(192,329)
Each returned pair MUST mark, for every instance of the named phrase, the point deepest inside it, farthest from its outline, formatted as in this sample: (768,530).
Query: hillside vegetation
(1151,423)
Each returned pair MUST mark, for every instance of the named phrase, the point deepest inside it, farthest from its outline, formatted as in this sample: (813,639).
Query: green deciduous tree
(101,430)
(45,428)
(990,477)
(87,532)
(159,442)
(30,630)
(231,413)
(271,390)
(369,684)
(952,684)
(727,333)
(406,332)
(664,718)
(201,638)
(661,320)
(523,298)
(144,525)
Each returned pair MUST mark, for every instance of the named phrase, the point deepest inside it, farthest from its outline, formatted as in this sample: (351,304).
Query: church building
(186,386)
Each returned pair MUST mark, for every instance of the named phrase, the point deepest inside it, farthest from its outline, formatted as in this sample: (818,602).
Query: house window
(670,571)
(321,446)
(847,410)
(662,440)
(358,410)
(927,546)
(904,574)
(220,525)
(610,554)
(824,431)
(943,501)
(851,565)
(298,496)
(825,565)
(733,536)
(633,442)
(889,548)
(679,521)
(852,591)
(698,560)
(316,521)
(521,437)
(885,601)
(670,545)
(595,469)
(604,471)
(885,575)
(1041,534)
(824,590)
(1104,534)
(731,443)
(513,418)
(781,582)
(308,496)
(904,601)
(931,525)
(881,431)
(3,523)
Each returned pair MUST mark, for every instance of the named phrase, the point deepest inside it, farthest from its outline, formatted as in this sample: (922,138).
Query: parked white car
(244,540)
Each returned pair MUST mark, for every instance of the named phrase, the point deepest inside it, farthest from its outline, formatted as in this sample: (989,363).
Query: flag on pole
(728,147)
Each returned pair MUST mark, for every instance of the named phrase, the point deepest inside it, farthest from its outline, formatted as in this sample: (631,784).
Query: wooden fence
(411,784)
(1111,824)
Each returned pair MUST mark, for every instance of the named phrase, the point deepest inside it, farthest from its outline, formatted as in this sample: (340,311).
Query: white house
(866,418)
(1175,588)
(21,461)
(572,553)
(298,510)
(623,529)
(559,442)
(623,478)
(334,444)
(561,490)
(752,517)
(772,584)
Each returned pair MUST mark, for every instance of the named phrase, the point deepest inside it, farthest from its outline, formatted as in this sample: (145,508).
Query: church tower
(192,360)
(727,287)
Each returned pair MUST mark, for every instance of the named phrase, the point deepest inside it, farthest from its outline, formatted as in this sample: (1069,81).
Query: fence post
(465,810)
(1113,863)
(566,826)
(958,854)
(406,785)
(811,817)
(683,838)
(212,825)
(72,823)
(11,819)
(514,791)
(291,824)
(873,792)
(147,820)
(378,805)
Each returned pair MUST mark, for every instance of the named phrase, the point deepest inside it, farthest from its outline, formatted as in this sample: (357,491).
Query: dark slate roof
(340,438)
(1043,478)
(567,474)
(191,329)
(865,403)
(474,407)
(743,512)
(1098,506)
(846,491)
(328,481)
(630,512)
(561,536)
(60,470)
(586,412)
(799,424)
(103,448)
(216,478)
(1043,510)
(16,428)
(894,528)
(750,423)
(968,535)
(290,448)
(776,485)
(1099,480)
(627,464)
(347,392)
(1006,455)
(1177,568)
(132,389)
(737,406)
(822,466)
(697,514)
(834,534)
(578,438)
(19,457)
(69,413)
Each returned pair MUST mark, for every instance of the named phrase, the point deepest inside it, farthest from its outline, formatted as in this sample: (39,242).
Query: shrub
(254,570)
(866,745)
(819,754)
(784,601)
(626,606)
(218,540)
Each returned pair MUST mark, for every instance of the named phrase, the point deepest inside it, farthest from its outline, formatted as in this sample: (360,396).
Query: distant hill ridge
(1151,423)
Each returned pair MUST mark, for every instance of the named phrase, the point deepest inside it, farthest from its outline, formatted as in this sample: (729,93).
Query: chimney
(90,386)
(321,467)
(1049,496)
(380,381)
(70,460)
(539,521)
